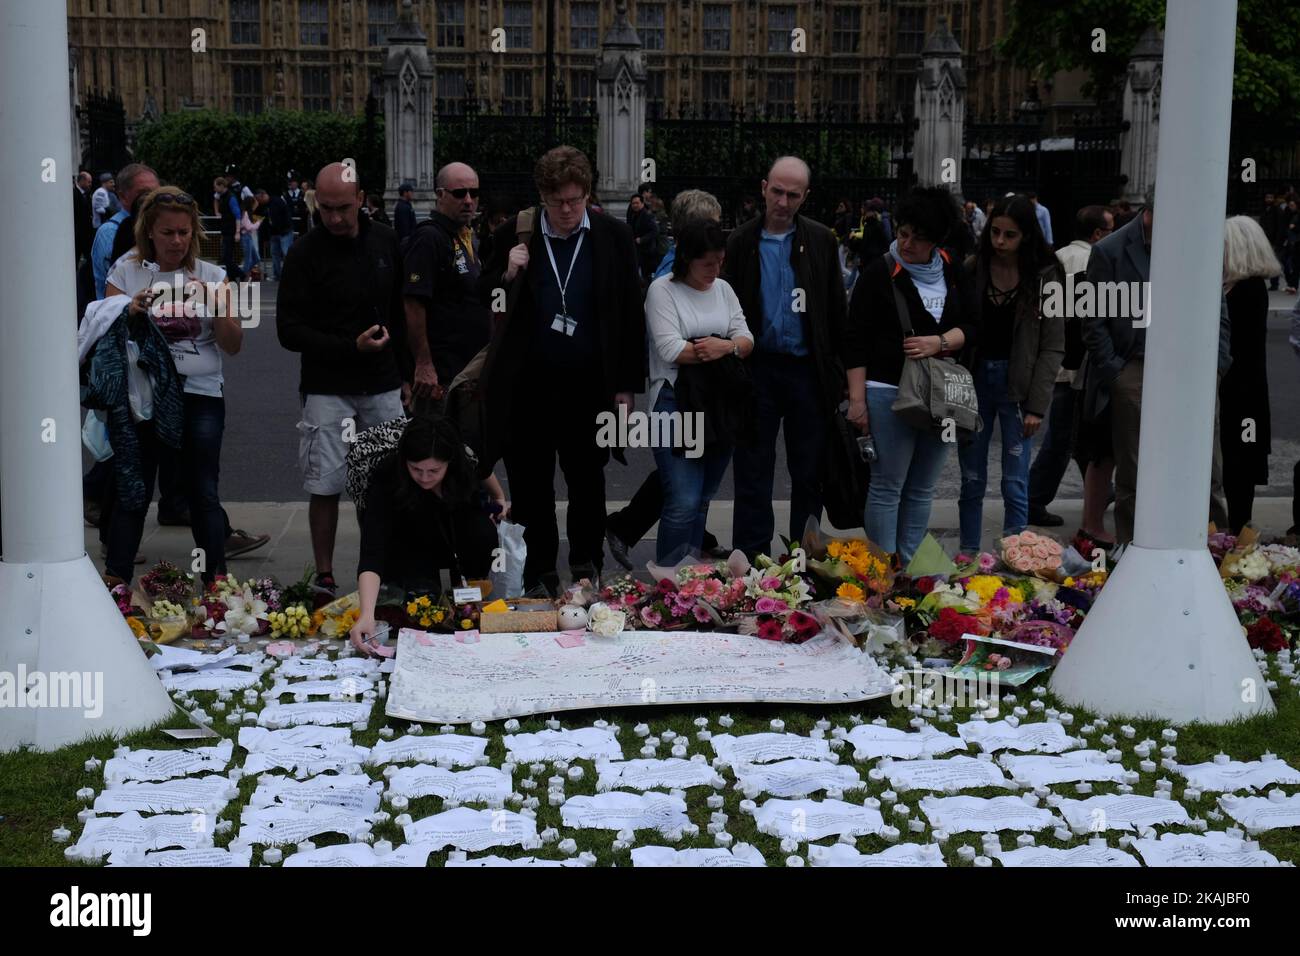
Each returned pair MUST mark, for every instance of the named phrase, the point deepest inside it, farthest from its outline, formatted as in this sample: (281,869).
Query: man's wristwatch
(735,348)
(943,342)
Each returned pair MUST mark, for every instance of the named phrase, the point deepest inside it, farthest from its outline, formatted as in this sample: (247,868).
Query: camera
(867,448)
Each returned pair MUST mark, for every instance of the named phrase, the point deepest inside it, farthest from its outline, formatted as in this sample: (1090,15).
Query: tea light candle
(1268,755)
(1128,731)
(1020,712)
(552,723)
(1087,730)
(966,853)
(415,730)
(555,798)
(890,834)
(478,728)
(834,793)
(85,814)
(1013,721)
(725,720)
(1191,793)
(878,722)
(1083,787)
(576,773)
(1108,740)
(647,751)
(1062,834)
(1164,783)
(567,846)
(704,735)
(122,751)
(1054,800)
(306,846)
(86,794)
(1169,763)
(916,825)
(678,751)
(360,724)
(1169,751)
(511,725)
(916,723)
(902,810)
(1113,755)
(777,725)
(1222,758)
(1066,718)
(398,802)
(641,730)
(380,817)
(250,718)
(272,855)
(1025,839)
(1147,766)
(1276,796)
(794,861)
(690,830)
(447,729)
(875,775)
(402,820)
(889,796)
(1036,705)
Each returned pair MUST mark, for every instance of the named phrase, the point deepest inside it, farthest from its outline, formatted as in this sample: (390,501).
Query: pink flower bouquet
(1031,553)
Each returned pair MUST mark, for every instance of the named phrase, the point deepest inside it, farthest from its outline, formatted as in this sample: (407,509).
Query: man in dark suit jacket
(572,346)
(83,215)
(1116,349)
(404,220)
(785,271)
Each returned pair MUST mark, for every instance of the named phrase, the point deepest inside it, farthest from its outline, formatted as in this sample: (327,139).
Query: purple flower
(765,605)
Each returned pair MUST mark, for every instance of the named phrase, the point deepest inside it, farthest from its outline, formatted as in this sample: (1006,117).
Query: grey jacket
(1112,340)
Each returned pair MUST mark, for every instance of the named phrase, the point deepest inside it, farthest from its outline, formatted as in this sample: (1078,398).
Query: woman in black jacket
(422,515)
(943,322)
(1244,420)
(1015,364)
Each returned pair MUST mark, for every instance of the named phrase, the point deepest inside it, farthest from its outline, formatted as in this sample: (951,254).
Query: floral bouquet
(427,612)
(669,607)
(233,612)
(854,567)
(168,582)
(1246,559)
(792,627)
(335,619)
(293,621)
(1031,553)
(986,562)
(623,592)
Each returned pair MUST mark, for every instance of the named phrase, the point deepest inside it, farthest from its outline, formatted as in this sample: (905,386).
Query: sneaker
(1045,519)
(618,549)
(179,520)
(241,542)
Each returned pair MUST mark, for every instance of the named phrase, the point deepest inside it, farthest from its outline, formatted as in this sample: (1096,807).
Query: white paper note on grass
(477,785)
(1073,856)
(796,777)
(1120,811)
(586,743)
(985,815)
(323,712)
(767,747)
(202,794)
(947,775)
(675,773)
(217,678)
(1047,737)
(1238,775)
(1077,765)
(132,833)
(356,793)
(1190,849)
(208,858)
(742,854)
(279,826)
(460,750)
(625,811)
(805,820)
(474,830)
(523,862)
(904,854)
(360,855)
(351,686)
(157,765)
(871,740)
(1258,814)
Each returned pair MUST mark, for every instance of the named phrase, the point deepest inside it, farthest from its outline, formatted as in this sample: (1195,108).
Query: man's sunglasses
(462,192)
(180,199)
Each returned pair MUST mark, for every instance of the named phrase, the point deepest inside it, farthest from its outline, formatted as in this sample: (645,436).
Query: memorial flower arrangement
(168,582)
(623,591)
(426,612)
(1031,553)
(855,568)
(293,621)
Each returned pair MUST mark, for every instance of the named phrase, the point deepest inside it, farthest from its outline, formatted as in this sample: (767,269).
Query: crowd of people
(480,336)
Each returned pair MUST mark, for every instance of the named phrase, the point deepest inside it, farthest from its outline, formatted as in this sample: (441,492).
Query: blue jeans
(279,249)
(785,388)
(248,241)
(205,422)
(991,387)
(902,479)
(689,485)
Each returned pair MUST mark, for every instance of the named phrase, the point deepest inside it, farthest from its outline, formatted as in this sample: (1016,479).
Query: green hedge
(190,149)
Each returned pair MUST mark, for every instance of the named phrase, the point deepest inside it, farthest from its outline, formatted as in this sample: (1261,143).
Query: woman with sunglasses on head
(166,250)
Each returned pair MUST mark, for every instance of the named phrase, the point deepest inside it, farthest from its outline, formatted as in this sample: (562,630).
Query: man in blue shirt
(785,271)
(1044,217)
(133,182)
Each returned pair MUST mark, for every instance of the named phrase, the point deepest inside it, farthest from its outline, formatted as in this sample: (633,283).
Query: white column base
(1163,641)
(59,619)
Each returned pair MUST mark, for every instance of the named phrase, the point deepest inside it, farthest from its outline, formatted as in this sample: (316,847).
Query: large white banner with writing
(512,675)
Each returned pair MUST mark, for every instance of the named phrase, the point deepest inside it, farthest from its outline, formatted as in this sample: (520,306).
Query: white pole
(57,615)
(1162,639)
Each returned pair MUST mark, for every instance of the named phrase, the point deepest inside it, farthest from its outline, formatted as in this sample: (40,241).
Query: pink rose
(765,605)
(770,583)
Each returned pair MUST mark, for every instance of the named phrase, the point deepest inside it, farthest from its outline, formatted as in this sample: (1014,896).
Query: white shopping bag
(509,581)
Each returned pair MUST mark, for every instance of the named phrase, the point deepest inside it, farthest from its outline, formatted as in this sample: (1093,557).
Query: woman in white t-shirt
(199,324)
(692,317)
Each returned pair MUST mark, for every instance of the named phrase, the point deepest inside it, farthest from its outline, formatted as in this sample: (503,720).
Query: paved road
(260,453)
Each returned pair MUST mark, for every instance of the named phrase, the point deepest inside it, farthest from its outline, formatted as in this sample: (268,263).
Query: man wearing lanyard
(573,346)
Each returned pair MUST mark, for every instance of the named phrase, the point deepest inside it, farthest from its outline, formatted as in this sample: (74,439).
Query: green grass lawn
(37,790)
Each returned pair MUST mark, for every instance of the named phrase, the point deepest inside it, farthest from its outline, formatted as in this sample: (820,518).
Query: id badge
(564,323)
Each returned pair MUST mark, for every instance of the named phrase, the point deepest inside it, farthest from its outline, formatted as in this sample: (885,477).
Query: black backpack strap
(900,304)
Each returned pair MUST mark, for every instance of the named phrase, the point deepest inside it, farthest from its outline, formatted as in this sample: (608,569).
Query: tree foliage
(191,148)
(1049,36)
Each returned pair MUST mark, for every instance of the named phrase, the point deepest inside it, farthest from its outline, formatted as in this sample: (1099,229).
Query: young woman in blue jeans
(1015,363)
(692,317)
(943,321)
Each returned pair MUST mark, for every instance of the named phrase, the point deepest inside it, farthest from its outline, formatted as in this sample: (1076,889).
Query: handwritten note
(946,775)
(313,712)
(904,854)
(1121,812)
(468,829)
(765,748)
(479,785)
(1238,775)
(587,743)
(1073,856)
(673,773)
(155,765)
(278,826)
(457,750)
(980,815)
(208,858)
(132,833)
(1046,737)
(1035,771)
(742,854)
(805,820)
(207,794)
(625,811)
(1258,814)
(871,741)
(795,778)
(356,793)
(1189,849)
(361,855)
